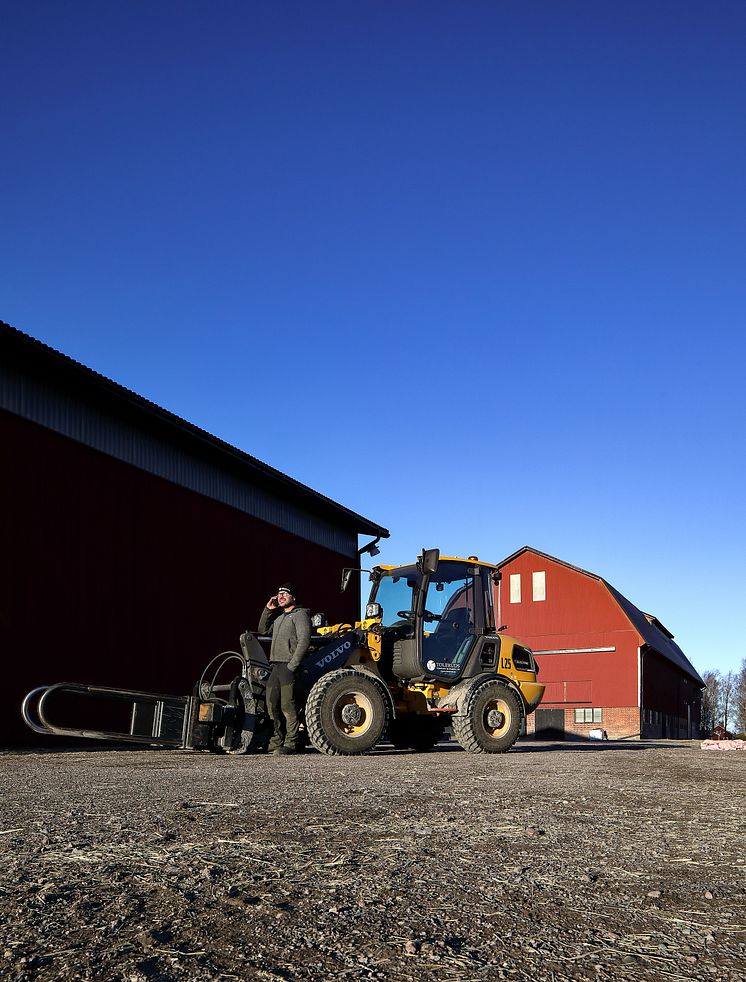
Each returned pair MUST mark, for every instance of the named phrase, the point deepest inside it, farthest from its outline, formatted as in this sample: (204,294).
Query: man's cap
(287,588)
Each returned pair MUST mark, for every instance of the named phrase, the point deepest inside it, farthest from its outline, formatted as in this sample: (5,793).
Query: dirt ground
(555,861)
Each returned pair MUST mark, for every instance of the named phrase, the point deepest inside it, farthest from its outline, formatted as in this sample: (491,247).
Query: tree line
(724,700)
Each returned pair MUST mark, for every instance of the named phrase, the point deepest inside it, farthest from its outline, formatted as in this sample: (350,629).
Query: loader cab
(435,619)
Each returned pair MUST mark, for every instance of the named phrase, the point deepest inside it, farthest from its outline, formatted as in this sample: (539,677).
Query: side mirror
(428,561)
(346,577)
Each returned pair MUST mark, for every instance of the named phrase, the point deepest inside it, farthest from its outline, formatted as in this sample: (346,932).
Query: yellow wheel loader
(426,655)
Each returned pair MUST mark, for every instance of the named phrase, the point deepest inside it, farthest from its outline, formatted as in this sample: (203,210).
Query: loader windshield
(396,593)
(449,628)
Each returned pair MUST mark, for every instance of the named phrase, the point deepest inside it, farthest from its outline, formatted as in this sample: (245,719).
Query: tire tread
(315,701)
(464,728)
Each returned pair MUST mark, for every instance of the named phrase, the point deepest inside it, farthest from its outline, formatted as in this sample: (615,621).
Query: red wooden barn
(606,664)
(136,546)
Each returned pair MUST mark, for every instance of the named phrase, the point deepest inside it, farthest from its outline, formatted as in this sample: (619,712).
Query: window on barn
(588,715)
(539,585)
(515,588)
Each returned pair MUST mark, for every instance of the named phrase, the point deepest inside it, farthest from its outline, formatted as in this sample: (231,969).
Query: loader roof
(473,560)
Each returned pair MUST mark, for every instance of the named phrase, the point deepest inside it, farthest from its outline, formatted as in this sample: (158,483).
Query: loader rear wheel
(414,731)
(346,713)
(492,721)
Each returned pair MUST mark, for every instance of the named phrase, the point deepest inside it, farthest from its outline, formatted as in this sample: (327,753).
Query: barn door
(550,724)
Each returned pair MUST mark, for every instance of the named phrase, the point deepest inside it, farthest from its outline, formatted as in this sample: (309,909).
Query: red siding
(581,611)
(578,612)
(673,697)
(117,577)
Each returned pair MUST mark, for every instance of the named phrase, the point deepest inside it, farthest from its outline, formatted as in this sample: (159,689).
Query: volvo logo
(345,646)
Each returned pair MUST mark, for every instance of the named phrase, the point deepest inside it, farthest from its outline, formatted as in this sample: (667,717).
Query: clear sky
(473,269)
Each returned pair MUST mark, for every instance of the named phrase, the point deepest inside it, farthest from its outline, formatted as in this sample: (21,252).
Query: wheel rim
(353,714)
(496,718)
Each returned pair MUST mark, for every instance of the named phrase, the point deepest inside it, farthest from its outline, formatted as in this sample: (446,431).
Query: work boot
(286,750)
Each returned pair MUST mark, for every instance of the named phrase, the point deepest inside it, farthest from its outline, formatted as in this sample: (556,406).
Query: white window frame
(539,585)
(585,716)
(515,588)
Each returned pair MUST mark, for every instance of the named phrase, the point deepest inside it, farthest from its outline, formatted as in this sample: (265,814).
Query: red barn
(136,545)
(606,665)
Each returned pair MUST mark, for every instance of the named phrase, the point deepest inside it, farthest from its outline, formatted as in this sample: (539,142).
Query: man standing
(290,627)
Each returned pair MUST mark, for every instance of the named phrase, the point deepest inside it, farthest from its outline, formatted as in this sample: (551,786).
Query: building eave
(28,353)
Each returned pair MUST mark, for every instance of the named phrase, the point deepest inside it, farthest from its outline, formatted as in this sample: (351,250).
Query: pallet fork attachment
(216,717)
(167,714)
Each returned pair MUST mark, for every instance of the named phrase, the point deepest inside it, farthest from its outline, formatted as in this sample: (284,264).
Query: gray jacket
(291,634)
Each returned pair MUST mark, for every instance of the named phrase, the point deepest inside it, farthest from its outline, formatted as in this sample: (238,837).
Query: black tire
(347,713)
(492,721)
(414,731)
(239,737)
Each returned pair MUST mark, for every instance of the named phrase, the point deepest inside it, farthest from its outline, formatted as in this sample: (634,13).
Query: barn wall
(620,723)
(115,576)
(671,702)
(578,613)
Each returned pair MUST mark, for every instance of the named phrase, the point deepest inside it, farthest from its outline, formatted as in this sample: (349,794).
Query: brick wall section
(618,723)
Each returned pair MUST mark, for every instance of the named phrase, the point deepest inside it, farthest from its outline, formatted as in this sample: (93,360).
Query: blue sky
(475,270)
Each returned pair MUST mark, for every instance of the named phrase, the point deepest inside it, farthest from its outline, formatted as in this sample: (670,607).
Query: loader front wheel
(492,721)
(346,713)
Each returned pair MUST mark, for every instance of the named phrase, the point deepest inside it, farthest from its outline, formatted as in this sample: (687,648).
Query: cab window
(395,594)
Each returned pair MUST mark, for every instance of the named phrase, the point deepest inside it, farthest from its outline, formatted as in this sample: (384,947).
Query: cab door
(449,622)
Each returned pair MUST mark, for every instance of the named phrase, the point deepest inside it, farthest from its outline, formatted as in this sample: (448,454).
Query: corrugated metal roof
(649,628)
(43,385)
(653,636)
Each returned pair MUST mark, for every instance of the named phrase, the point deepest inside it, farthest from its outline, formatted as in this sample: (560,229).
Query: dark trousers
(281,707)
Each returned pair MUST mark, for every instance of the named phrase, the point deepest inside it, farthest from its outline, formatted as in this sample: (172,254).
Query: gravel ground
(555,861)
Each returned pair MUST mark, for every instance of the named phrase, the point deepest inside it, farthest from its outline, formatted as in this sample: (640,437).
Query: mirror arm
(347,575)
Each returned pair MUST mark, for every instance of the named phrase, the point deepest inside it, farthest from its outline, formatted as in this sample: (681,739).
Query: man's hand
(272,603)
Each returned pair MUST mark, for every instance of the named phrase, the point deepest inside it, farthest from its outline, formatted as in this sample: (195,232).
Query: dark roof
(26,352)
(660,640)
(650,629)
